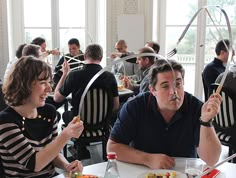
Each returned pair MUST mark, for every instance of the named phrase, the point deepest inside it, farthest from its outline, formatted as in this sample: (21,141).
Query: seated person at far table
(42,43)
(74,52)
(30,145)
(145,63)
(12,62)
(23,50)
(126,67)
(167,122)
(154,45)
(76,81)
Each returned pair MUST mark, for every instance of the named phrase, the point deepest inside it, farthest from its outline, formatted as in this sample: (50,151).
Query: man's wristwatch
(207,124)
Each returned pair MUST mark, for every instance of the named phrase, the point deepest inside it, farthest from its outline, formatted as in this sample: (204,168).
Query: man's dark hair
(19,50)
(32,50)
(221,46)
(73,41)
(38,41)
(163,65)
(156,47)
(94,52)
(147,50)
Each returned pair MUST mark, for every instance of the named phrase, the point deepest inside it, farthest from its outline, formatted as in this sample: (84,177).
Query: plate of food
(162,173)
(121,88)
(79,175)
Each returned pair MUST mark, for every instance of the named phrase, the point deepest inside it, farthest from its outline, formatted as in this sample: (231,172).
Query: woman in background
(29,143)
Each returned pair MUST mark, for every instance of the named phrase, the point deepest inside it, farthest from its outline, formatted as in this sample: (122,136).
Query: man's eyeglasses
(118,49)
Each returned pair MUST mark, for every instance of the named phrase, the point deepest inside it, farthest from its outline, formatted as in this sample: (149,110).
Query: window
(197,47)
(212,36)
(176,21)
(72,22)
(37,23)
(59,21)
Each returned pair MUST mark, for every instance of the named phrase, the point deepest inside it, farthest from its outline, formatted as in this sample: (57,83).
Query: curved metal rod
(230,39)
(117,60)
(151,54)
(217,165)
(72,58)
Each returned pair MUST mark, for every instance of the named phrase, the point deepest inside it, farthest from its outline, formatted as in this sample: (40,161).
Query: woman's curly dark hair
(17,86)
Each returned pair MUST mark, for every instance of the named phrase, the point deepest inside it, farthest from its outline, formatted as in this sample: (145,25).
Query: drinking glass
(134,79)
(119,77)
(193,167)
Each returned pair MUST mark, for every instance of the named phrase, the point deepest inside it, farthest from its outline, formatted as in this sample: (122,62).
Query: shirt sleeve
(67,86)
(124,128)
(114,86)
(15,142)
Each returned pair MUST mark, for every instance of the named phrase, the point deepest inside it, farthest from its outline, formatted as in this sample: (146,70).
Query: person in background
(32,50)
(23,50)
(42,43)
(77,80)
(12,62)
(128,67)
(216,67)
(155,46)
(166,122)
(30,145)
(144,63)
(75,64)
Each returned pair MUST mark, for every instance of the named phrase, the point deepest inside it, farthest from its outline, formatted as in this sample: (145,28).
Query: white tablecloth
(228,170)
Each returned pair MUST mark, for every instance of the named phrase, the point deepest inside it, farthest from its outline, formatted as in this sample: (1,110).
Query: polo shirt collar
(179,113)
(218,61)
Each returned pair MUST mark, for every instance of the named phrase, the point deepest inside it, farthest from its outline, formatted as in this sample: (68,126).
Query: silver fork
(171,53)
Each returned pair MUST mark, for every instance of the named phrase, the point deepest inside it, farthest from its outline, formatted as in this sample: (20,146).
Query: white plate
(163,171)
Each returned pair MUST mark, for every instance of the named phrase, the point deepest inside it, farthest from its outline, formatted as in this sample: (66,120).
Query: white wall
(4,53)
(117,9)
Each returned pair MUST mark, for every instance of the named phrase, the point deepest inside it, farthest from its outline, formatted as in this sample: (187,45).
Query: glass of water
(193,167)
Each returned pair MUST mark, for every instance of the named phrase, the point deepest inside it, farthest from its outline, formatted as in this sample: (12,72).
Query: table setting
(222,169)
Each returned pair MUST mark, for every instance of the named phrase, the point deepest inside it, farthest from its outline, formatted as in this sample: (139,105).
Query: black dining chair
(225,120)
(96,114)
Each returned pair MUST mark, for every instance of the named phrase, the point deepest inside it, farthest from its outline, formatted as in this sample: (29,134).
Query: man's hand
(65,68)
(127,83)
(160,161)
(211,107)
(115,55)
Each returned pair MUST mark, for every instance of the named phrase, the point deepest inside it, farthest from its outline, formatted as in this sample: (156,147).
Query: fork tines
(171,53)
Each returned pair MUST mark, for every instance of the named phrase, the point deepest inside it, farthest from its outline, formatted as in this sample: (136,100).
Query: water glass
(193,167)
(134,79)
(119,77)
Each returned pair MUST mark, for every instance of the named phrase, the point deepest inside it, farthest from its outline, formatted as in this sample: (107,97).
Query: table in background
(126,170)
(125,94)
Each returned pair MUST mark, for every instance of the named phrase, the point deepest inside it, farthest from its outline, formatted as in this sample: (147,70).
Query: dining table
(127,170)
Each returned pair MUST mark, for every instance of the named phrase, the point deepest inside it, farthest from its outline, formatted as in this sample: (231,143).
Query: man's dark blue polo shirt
(141,125)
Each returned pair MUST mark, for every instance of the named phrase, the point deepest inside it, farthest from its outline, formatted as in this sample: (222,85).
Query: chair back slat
(226,116)
(101,114)
(96,107)
(224,123)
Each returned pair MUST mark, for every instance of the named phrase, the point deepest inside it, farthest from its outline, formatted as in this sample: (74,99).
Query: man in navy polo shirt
(166,122)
